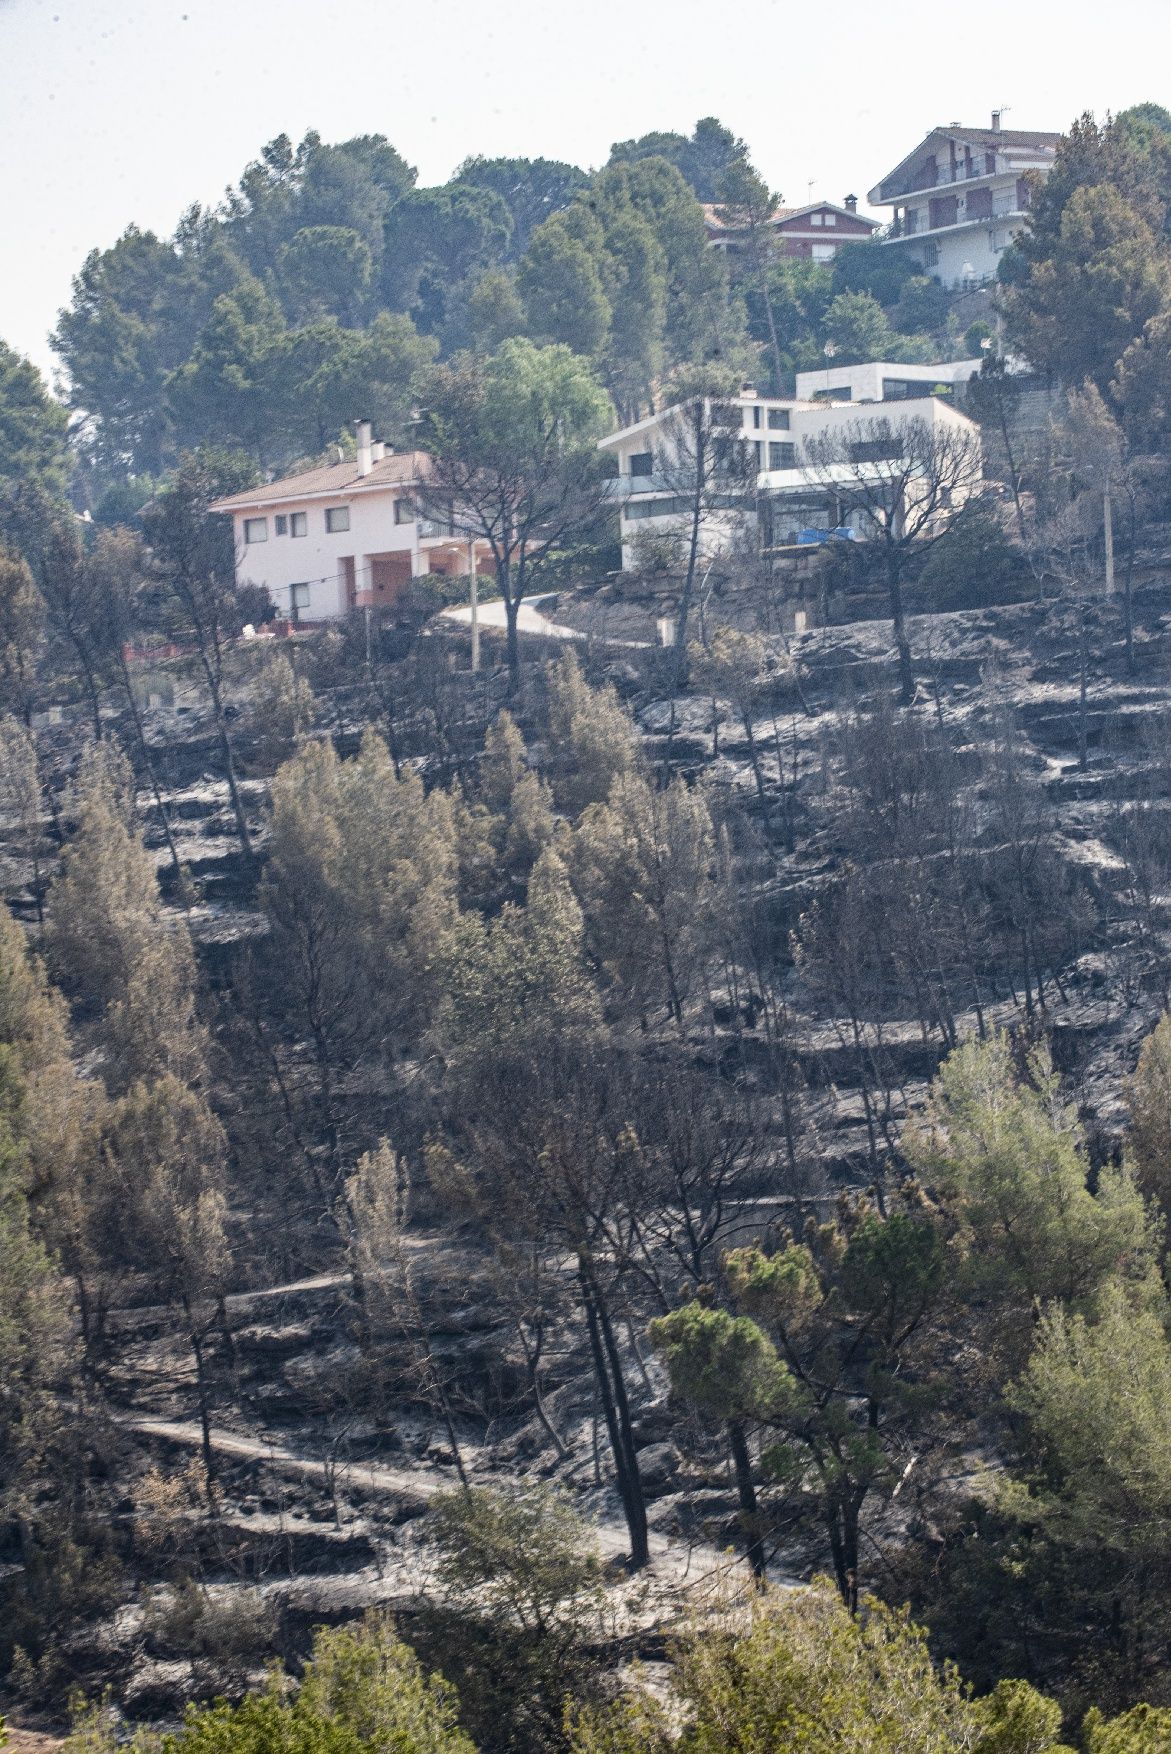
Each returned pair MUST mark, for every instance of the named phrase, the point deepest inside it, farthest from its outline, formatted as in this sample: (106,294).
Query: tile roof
(894,184)
(1004,136)
(712,210)
(333,478)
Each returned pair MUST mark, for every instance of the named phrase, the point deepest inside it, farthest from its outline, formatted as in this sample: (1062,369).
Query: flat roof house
(784,499)
(346,536)
(884,380)
(816,231)
(958,200)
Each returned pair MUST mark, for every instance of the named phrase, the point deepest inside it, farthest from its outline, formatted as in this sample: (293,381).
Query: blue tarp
(843,533)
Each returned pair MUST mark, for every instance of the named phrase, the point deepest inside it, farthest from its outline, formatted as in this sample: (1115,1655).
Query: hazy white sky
(120,110)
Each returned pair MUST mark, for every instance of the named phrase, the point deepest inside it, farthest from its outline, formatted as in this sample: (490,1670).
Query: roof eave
(343,491)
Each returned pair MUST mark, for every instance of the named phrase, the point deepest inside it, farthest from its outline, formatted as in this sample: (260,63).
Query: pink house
(348,535)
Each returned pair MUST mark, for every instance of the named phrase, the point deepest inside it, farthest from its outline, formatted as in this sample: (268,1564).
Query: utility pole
(1108,530)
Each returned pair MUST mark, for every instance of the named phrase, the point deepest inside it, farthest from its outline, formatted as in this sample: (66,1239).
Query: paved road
(530,619)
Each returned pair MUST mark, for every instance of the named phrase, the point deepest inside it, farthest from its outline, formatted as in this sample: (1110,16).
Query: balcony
(442,527)
(916,223)
(624,486)
(947,176)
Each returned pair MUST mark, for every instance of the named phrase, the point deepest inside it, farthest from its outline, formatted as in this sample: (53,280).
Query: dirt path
(414,1486)
(236,1302)
(673,1559)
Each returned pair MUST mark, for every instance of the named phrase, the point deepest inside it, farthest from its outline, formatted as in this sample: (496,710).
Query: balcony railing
(437,527)
(917,224)
(622,486)
(948,176)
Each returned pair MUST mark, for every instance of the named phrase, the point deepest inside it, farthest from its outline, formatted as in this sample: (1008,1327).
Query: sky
(120,111)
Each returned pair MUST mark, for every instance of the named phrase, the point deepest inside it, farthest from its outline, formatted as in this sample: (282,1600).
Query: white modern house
(958,200)
(884,381)
(784,501)
(349,535)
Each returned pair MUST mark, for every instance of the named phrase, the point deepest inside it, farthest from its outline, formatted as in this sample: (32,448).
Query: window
(778,420)
(817,219)
(876,450)
(337,518)
(823,252)
(642,463)
(255,530)
(404,511)
(299,596)
(298,523)
(756,414)
(831,219)
(758,447)
(282,524)
(781,455)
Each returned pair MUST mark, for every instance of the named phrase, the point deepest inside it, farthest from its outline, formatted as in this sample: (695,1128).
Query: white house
(884,381)
(346,536)
(786,501)
(958,200)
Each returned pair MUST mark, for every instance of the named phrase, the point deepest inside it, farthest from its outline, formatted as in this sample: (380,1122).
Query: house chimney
(851,203)
(996,121)
(377,451)
(362,433)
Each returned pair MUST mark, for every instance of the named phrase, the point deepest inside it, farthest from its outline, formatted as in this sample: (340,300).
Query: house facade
(884,381)
(816,231)
(784,502)
(348,536)
(958,200)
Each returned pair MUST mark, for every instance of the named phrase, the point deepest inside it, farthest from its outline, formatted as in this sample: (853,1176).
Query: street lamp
(829,350)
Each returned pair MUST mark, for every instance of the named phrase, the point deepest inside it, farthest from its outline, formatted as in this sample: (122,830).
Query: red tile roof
(713,209)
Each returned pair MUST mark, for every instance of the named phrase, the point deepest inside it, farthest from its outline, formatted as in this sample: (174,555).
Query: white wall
(980,246)
(806,420)
(315,558)
(811,421)
(864,382)
(966,252)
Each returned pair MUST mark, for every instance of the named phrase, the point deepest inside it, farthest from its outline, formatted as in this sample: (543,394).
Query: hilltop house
(884,381)
(350,535)
(785,502)
(815,231)
(958,200)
